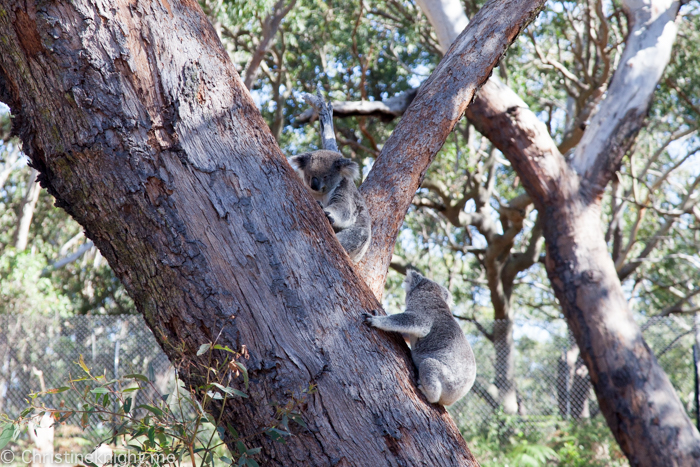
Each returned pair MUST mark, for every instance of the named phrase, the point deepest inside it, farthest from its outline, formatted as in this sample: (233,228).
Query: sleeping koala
(444,358)
(330,179)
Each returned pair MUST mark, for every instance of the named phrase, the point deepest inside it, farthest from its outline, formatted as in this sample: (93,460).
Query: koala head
(323,170)
(419,288)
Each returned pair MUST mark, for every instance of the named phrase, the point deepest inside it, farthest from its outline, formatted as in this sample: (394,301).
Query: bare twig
(325,113)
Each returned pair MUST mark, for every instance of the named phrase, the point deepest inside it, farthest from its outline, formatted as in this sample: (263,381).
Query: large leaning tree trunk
(634,394)
(142,131)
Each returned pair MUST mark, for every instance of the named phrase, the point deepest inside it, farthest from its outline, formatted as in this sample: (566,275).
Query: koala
(331,180)
(440,351)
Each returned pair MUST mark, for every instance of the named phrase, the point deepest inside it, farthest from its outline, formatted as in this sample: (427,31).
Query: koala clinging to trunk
(331,180)
(440,351)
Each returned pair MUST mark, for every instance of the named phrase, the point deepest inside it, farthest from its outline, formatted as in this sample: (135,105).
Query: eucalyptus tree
(144,133)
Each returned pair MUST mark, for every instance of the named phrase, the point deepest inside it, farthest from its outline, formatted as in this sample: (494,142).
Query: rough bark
(144,133)
(634,394)
(26,212)
(440,103)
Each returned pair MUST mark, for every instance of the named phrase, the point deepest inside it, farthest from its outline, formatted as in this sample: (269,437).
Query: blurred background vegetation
(374,50)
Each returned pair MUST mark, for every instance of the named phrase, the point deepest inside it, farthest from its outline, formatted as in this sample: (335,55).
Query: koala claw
(367,318)
(330,217)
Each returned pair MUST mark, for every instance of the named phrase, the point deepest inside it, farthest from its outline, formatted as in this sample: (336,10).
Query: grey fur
(330,179)
(440,351)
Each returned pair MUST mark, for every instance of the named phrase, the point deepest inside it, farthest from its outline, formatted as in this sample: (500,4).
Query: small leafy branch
(165,429)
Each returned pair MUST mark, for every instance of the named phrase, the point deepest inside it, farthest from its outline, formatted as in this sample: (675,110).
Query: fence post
(696,347)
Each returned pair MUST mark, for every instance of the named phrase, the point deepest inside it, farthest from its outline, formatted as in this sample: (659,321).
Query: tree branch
(440,103)
(325,112)
(270,26)
(629,95)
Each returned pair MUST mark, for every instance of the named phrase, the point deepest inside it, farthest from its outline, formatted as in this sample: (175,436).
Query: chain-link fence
(535,378)
(38,353)
(538,378)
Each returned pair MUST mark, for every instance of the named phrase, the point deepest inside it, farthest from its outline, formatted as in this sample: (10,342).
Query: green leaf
(223,347)
(127,405)
(254,451)
(232,431)
(7,433)
(58,390)
(100,391)
(277,434)
(244,370)
(241,447)
(137,376)
(204,348)
(297,418)
(230,391)
(155,410)
(252,463)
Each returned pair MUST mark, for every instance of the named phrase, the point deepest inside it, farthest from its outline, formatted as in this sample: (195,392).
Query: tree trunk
(26,212)
(634,394)
(504,366)
(573,385)
(144,133)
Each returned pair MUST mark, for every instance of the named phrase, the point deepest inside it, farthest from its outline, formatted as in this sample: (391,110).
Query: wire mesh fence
(529,375)
(38,353)
(546,380)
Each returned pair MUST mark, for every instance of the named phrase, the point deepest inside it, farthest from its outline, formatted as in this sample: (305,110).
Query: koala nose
(315,185)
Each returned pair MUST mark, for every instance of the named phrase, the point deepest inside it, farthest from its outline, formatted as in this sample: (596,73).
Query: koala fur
(331,180)
(440,351)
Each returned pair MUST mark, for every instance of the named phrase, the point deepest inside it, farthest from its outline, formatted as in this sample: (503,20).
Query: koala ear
(446,295)
(301,161)
(348,168)
(413,278)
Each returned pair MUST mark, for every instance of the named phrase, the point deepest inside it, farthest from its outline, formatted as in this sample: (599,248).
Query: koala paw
(367,318)
(330,217)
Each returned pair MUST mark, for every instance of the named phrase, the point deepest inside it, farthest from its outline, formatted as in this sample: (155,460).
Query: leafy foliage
(165,429)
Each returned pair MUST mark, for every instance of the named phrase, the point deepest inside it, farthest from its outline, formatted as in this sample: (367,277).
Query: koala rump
(445,360)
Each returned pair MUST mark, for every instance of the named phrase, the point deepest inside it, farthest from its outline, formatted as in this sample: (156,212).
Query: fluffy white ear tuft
(348,169)
(447,296)
(300,162)
(413,278)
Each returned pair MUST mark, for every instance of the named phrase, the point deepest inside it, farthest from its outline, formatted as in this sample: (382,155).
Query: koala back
(446,341)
